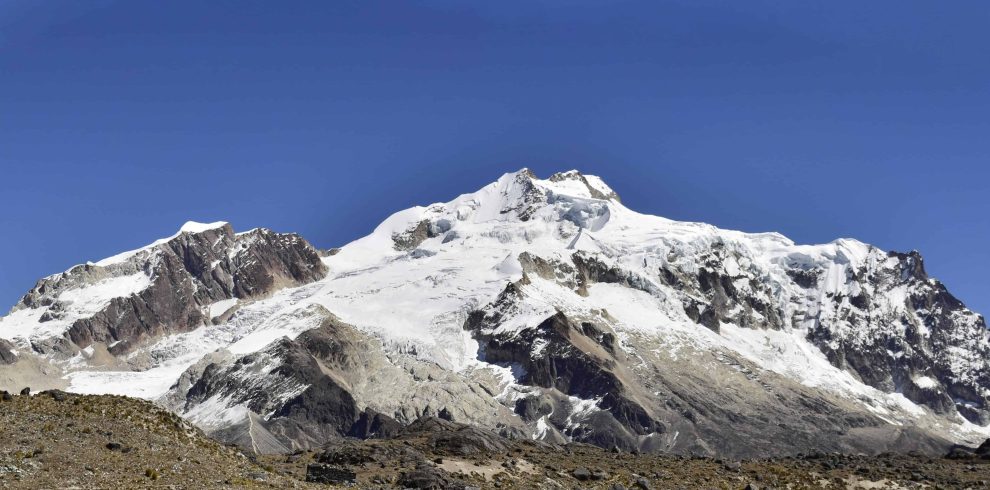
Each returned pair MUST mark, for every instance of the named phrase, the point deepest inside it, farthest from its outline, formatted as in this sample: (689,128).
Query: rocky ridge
(540,309)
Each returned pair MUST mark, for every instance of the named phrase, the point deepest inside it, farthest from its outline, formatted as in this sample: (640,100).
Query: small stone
(643,484)
(751,486)
(581,474)
(26,391)
(115,446)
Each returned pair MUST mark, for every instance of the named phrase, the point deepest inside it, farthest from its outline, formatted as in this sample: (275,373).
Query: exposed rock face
(324,385)
(649,403)
(286,382)
(577,358)
(7,353)
(538,309)
(902,332)
(184,276)
(330,475)
(374,425)
(422,231)
(454,439)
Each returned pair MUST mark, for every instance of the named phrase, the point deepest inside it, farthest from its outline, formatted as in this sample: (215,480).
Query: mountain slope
(60,440)
(542,308)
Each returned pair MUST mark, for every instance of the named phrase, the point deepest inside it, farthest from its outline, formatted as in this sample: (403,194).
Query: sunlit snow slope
(543,307)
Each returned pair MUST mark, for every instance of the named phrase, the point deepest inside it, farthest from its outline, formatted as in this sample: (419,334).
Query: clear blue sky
(121,120)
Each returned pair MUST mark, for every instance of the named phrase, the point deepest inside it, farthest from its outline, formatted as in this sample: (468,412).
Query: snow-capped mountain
(541,308)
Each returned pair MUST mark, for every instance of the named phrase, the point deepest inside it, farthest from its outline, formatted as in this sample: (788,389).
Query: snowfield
(458,256)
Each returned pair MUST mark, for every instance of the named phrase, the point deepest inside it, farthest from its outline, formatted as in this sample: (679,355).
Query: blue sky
(121,120)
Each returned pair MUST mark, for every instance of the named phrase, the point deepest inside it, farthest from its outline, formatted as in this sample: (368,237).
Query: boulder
(330,475)
(428,477)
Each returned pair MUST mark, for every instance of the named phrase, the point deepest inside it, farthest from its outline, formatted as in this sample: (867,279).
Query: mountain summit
(542,308)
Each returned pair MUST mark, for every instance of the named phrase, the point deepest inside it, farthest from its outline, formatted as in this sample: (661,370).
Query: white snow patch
(221,307)
(80,302)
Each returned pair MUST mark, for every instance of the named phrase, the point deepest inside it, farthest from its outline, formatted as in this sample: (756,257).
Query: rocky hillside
(538,308)
(61,440)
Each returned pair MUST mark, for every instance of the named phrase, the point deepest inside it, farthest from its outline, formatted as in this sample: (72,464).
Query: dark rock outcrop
(567,357)
(575,357)
(295,393)
(330,475)
(452,438)
(428,477)
(908,349)
(7,352)
(187,273)
(374,425)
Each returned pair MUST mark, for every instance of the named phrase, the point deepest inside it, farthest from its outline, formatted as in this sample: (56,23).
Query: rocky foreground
(59,440)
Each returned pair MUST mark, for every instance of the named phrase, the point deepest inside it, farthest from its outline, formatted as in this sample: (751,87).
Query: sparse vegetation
(87,442)
(96,441)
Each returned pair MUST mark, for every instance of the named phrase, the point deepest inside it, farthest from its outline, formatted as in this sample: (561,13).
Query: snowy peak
(560,205)
(541,306)
(595,187)
(190,227)
(174,284)
(195,227)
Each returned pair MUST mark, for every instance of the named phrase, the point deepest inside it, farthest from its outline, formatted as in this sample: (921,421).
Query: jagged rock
(330,475)
(185,275)
(531,408)
(57,395)
(7,353)
(25,391)
(576,358)
(613,328)
(429,477)
(353,453)
(467,441)
(445,414)
(374,425)
(321,404)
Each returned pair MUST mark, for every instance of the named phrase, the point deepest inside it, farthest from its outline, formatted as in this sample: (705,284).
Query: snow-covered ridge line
(188,227)
(492,288)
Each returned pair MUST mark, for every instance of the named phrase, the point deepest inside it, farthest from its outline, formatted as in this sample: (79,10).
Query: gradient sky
(119,121)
